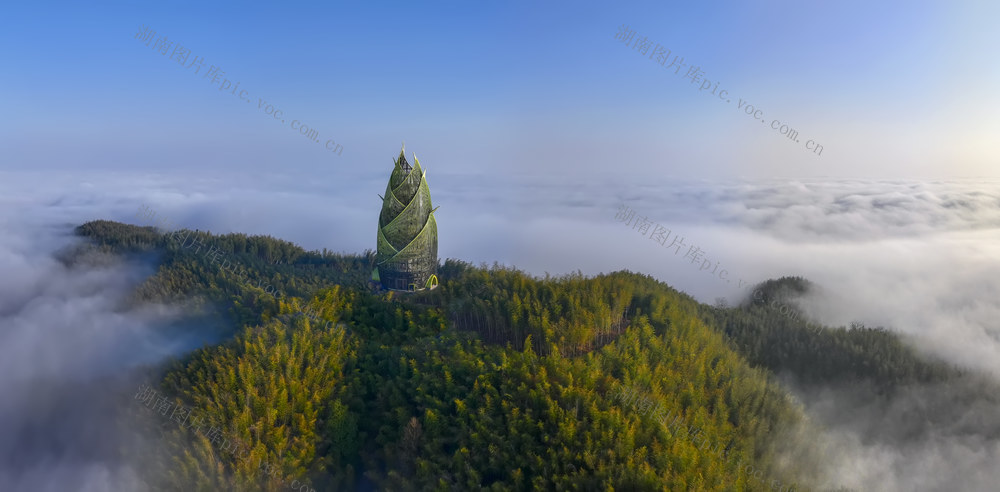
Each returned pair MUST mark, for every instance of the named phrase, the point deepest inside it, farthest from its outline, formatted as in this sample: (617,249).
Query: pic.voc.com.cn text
(180,54)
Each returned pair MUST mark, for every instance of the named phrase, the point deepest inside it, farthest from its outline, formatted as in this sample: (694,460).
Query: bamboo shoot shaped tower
(406,258)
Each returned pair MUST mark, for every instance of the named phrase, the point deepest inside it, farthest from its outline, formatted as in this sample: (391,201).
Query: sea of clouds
(920,258)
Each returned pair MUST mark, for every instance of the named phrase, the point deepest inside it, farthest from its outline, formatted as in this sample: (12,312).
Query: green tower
(407,232)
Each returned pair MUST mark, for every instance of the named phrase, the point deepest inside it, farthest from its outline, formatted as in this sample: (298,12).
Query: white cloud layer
(68,341)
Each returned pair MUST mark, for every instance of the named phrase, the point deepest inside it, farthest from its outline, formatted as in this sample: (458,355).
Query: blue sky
(899,89)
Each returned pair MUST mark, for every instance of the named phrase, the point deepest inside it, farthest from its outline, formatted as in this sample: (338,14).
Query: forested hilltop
(495,380)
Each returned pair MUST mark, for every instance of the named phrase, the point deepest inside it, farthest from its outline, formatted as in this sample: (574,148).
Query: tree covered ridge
(817,354)
(495,380)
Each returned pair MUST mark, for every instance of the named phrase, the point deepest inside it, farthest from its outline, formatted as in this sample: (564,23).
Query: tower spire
(402,159)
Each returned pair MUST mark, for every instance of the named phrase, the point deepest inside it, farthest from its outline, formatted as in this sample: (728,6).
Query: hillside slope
(495,380)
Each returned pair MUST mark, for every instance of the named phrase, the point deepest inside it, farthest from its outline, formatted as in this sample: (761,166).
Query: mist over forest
(80,338)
